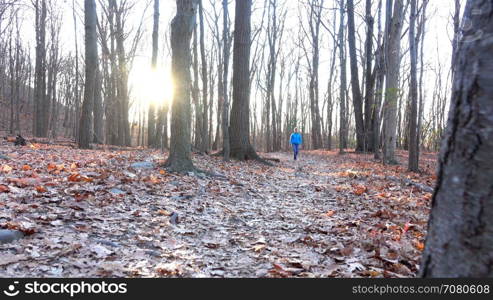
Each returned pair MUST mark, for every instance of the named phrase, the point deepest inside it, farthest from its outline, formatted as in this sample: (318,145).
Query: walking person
(296,140)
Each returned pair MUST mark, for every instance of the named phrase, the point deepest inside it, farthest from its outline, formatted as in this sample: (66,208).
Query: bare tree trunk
(41,106)
(76,86)
(357,97)
(392,86)
(225,111)
(220,89)
(155,34)
(12,83)
(370,81)
(342,118)
(151,117)
(421,33)
(158,134)
(122,77)
(180,157)
(275,29)
(98,109)
(151,126)
(196,90)
(455,42)
(330,100)
(461,220)
(380,77)
(315,21)
(241,148)
(413,126)
(212,84)
(91,41)
(165,126)
(204,145)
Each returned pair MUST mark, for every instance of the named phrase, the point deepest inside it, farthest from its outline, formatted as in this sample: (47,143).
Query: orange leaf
(420,246)
(330,213)
(162,172)
(26,168)
(75,177)
(4,189)
(360,190)
(374,273)
(51,167)
(41,189)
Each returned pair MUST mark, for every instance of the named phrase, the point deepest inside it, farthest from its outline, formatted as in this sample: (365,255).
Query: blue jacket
(296,139)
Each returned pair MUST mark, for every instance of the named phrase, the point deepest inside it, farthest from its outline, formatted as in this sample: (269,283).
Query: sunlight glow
(151,86)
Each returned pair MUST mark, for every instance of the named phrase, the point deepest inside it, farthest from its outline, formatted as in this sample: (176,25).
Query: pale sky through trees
(146,86)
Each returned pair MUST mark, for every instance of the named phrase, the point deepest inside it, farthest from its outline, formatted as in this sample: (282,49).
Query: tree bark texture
(460,230)
(91,40)
(240,146)
(182,26)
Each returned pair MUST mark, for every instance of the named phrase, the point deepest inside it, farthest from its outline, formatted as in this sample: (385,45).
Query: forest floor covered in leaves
(119,214)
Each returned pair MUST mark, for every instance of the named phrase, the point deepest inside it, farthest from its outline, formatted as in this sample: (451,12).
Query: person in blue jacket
(296,140)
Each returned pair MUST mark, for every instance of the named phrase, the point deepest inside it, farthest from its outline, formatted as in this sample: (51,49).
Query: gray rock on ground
(9,236)
(143,165)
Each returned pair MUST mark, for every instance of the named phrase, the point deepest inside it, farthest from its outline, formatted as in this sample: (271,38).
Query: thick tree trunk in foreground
(85,128)
(180,157)
(240,146)
(460,233)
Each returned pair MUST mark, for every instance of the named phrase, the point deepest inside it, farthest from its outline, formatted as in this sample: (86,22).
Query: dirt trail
(321,216)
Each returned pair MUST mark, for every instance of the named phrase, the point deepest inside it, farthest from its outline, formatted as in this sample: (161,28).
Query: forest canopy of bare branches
(299,53)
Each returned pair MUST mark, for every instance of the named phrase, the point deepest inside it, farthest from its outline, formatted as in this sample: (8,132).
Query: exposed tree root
(182,166)
(186,167)
(218,154)
(249,155)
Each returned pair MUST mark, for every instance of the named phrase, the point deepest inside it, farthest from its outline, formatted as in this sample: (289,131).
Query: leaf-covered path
(118,214)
